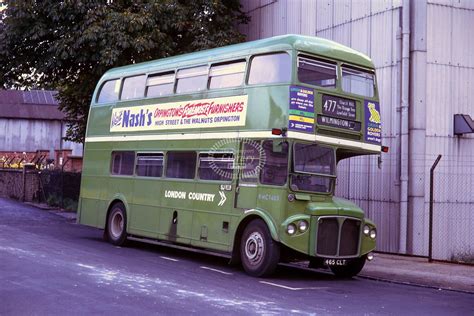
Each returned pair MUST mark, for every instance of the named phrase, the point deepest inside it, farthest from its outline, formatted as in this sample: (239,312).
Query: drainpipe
(404,126)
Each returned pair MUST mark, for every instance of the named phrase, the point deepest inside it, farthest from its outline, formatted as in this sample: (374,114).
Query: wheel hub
(116,225)
(254,247)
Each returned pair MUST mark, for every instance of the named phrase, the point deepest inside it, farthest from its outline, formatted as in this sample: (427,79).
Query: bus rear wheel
(117,225)
(259,253)
(351,269)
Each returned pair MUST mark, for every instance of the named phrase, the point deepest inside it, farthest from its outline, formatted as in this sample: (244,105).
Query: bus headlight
(366,230)
(291,229)
(303,226)
(373,233)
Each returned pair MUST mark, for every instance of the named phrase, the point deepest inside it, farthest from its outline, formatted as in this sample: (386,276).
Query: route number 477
(329,105)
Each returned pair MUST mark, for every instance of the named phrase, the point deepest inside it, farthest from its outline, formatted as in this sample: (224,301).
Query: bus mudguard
(266,217)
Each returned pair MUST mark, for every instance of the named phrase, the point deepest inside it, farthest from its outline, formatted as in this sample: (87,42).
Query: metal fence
(453,211)
(440,219)
(59,188)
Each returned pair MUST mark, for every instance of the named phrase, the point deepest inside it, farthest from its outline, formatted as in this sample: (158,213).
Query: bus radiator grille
(338,237)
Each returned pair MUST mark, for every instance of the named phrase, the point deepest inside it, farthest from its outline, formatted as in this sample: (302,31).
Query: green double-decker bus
(234,151)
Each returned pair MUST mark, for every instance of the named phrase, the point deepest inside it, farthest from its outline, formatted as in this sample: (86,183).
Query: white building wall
(442,54)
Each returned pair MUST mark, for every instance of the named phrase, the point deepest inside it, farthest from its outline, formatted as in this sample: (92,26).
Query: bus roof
(316,45)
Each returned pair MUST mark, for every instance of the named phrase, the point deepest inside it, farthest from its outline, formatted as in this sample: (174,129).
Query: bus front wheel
(259,253)
(117,225)
(350,270)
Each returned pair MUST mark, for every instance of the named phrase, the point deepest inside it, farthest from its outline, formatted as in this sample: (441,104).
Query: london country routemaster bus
(234,151)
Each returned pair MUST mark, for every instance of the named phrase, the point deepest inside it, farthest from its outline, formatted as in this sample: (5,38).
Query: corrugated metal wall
(450,90)
(31,135)
(374,28)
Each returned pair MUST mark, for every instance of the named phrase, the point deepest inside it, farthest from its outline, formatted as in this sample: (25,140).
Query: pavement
(420,272)
(401,269)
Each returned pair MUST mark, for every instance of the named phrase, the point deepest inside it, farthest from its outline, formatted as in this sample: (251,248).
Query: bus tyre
(117,225)
(350,270)
(259,253)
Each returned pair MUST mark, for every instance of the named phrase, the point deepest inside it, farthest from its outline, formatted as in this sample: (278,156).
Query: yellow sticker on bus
(204,113)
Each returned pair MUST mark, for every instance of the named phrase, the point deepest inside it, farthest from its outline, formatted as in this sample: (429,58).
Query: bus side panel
(212,216)
(176,215)
(94,184)
(89,211)
(145,210)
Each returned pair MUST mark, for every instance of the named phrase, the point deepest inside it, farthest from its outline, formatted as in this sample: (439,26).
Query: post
(430,246)
(23,195)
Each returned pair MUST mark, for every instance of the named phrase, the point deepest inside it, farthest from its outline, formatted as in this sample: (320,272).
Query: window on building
(227,75)
(149,165)
(358,81)
(160,85)
(317,72)
(192,79)
(275,164)
(216,166)
(123,162)
(133,87)
(109,92)
(271,68)
(181,164)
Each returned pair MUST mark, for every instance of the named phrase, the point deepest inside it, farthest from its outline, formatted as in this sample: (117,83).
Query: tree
(68,45)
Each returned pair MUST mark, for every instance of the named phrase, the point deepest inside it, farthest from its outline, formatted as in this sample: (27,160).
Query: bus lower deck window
(149,165)
(251,161)
(123,162)
(181,164)
(216,166)
(275,164)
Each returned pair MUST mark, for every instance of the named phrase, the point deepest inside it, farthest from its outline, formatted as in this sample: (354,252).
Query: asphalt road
(49,265)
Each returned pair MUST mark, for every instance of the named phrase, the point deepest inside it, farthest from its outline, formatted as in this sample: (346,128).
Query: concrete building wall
(441,74)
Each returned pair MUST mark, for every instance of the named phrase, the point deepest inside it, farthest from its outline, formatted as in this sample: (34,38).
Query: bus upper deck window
(133,87)
(192,79)
(316,72)
(271,68)
(109,92)
(227,75)
(358,81)
(160,84)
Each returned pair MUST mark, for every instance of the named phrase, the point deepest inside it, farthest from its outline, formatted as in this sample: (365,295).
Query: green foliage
(53,200)
(68,45)
(70,205)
